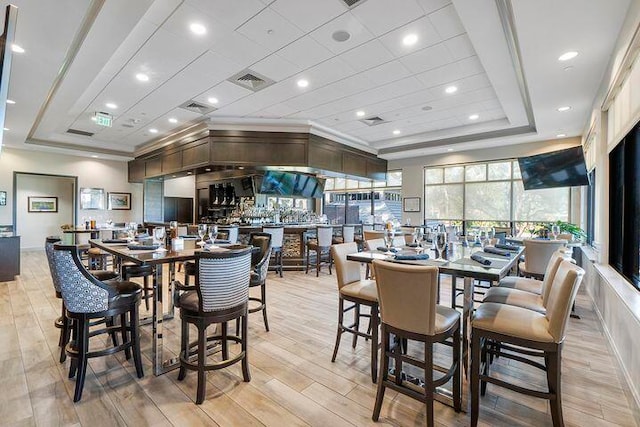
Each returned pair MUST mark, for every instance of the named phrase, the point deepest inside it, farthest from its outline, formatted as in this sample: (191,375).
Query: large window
(490,193)
(624,207)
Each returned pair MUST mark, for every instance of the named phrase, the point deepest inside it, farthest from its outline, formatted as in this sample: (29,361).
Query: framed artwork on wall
(119,201)
(91,198)
(42,204)
(411,204)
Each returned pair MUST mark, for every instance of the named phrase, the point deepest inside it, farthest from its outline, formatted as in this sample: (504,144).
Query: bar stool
(221,295)
(86,299)
(277,239)
(131,270)
(231,231)
(537,253)
(348,235)
(97,259)
(321,246)
(259,267)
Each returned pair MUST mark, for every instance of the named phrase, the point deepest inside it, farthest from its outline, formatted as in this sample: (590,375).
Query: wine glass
(441,244)
(389,234)
(555,230)
(202,230)
(484,237)
(419,237)
(159,234)
(213,234)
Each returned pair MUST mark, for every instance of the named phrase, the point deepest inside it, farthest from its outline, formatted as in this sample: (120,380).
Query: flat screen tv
(563,168)
(291,184)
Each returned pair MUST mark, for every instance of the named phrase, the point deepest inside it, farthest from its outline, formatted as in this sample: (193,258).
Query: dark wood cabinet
(178,209)
(9,258)
(196,154)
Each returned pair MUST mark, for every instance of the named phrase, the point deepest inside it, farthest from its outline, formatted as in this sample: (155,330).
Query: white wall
(107,174)
(180,187)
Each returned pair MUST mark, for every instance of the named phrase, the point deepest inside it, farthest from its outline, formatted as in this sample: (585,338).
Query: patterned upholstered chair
(259,269)
(221,295)
(87,298)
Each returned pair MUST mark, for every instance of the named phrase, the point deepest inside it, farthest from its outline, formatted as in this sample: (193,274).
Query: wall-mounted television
(291,184)
(563,168)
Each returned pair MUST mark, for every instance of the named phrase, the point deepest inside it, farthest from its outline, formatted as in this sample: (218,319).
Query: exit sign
(103,119)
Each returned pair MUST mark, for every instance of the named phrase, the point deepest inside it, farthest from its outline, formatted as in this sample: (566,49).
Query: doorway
(33,221)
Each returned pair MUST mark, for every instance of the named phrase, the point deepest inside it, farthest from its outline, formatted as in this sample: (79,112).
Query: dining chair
(537,253)
(352,289)
(408,310)
(259,269)
(529,284)
(321,246)
(521,332)
(277,243)
(221,294)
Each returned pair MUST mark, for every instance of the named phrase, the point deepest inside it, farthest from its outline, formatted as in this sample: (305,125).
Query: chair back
(325,236)
(373,244)
(501,237)
(407,296)
(222,279)
(401,240)
(232,232)
(348,233)
(81,292)
(537,253)
(262,241)
(550,273)
(561,297)
(48,249)
(346,271)
(565,236)
(370,234)
(277,235)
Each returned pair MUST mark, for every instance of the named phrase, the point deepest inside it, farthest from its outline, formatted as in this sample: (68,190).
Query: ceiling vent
(352,3)
(127,125)
(251,80)
(196,107)
(80,132)
(373,121)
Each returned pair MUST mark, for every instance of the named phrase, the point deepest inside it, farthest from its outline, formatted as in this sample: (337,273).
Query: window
(624,207)
(591,207)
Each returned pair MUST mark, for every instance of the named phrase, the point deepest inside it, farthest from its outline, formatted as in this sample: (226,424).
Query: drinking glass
(484,238)
(159,234)
(388,240)
(213,234)
(202,230)
(131,230)
(441,244)
(555,230)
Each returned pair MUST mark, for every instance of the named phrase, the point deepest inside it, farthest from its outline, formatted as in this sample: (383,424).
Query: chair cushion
(363,289)
(446,317)
(127,293)
(103,275)
(255,279)
(515,297)
(524,284)
(189,301)
(513,321)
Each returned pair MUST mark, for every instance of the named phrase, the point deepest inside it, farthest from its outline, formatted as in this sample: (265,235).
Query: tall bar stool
(86,299)
(131,270)
(537,253)
(259,268)
(221,295)
(232,232)
(277,241)
(347,235)
(408,310)
(321,246)
(521,332)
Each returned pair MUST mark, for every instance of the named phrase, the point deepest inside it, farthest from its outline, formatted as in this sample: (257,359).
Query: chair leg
(110,322)
(246,375)
(125,334)
(263,296)
(457,383)
(225,343)
(73,366)
(553,362)
(356,324)
(307,264)
(202,354)
(428,381)
(65,333)
(384,374)
(146,292)
(184,348)
(318,259)
(135,340)
(374,342)
(475,377)
(339,333)
(82,342)
(280,261)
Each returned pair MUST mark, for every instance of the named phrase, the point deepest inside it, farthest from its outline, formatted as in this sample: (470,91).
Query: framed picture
(119,201)
(3,198)
(91,198)
(411,204)
(42,204)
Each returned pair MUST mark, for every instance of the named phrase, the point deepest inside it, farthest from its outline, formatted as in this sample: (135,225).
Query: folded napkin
(384,249)
(190,236)
(143,247)
(115,241)
(411,257)
(479,258)
(219,241)
(412,245)
(495,251)
(506,247)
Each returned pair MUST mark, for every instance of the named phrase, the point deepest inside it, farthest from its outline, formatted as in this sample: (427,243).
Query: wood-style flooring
(293,381)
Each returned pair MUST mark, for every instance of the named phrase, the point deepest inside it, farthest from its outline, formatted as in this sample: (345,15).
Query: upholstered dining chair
(86,299)
(407,295)
(352,289)
(259,270)
(521,332)
(537,253)
(321,246)
(221,294)
(347,235)
(277,245)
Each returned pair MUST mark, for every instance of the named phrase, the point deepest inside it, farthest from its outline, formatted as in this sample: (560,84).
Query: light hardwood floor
(293,380)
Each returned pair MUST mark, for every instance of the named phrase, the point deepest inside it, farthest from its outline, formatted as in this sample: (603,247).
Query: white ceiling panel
(305,53)
(239,49)
(421,28)
(381,17)
(387,73)
(428,58)
(276,67)
(225,92)
(450,72)
(228,11)
(308,14)
(180,21)
(345,22)
(367,55)
(276,111)
(328,72)
(430,6)
(447,22)
(270,30)
(460,47)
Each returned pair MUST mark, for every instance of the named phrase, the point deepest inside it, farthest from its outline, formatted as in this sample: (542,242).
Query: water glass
(213,233)
(441,243)
(388,239)
(555,230)
(159,233)
(202,230)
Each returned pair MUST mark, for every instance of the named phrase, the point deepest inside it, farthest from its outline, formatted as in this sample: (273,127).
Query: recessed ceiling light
(6,129)
(241,167)
(303,83)
(360,113)
(94,156)
(449,149)
(153,130)
(16,48)
(142,77)
(94,119)
(410,39)
(451,89)
(474,117)
(212,100)
(565,108)
(341,36)
(396,132)
(208,169)
(561,135)
(568,55)
(173,120)
(198,29)
(10,101)
(111,105)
